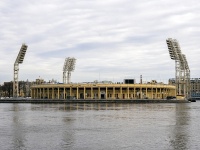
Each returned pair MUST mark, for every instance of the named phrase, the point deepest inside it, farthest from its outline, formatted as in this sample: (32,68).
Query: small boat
(192,99)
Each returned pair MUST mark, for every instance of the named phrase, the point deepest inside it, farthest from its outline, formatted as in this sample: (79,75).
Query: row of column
(67,93)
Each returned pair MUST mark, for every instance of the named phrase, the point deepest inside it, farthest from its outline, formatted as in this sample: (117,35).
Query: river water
(100,126)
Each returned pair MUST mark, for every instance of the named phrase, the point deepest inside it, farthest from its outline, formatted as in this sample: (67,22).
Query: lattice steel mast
(182,71)
(69,66)
(19,60)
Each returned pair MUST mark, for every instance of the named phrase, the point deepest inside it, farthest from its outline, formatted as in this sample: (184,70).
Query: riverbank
(61,101)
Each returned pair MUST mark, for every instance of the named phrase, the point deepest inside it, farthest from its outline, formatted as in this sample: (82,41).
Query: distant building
(194,86)
(39,81)
(129,81)
(6,90)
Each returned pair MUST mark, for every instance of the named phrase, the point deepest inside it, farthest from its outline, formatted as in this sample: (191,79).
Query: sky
(110,39)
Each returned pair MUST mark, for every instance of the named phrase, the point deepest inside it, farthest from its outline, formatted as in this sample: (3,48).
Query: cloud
(111,39)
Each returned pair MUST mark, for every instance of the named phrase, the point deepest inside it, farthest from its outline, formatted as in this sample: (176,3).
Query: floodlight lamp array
(21,54)
(171,48)
(174,49)
(64,67)
(69,64)
(185,62)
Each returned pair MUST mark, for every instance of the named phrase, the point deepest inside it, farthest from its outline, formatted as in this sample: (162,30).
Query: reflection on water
(100,106)
(99,126)
(180,133)
(18,138)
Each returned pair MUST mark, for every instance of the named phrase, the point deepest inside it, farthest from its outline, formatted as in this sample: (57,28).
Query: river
(107,126)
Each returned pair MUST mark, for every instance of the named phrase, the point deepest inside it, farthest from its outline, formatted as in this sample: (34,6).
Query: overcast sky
(111,39)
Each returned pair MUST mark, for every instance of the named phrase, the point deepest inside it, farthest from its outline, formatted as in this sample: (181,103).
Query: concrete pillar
(160,93)
(40,92)
(84,93)
(58,93)
(64,93)
(32,96)
(43,93)
(146,92)
(77,97)
(52,93)
(99,95)
(106,93)
(120,92)
(33,93)
(128,93)
(92,94)
(156,93)
(48,93)
(70,92)
(113,96)
(37,93)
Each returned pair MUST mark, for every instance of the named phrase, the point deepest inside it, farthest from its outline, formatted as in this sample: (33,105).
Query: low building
(194,86)
(24,89)
(101,91)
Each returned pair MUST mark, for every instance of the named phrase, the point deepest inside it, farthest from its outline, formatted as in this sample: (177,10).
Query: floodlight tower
(187,76)
(181,67)
(69,66)
(172,47)
(19,60)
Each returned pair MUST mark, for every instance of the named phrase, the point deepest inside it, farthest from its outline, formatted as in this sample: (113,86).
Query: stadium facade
(102,91)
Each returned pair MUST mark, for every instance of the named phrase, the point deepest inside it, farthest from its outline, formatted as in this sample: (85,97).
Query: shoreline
(63,101)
